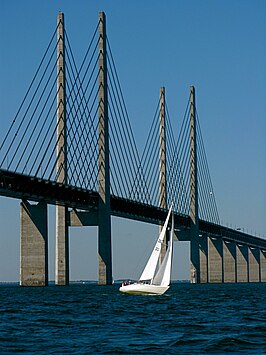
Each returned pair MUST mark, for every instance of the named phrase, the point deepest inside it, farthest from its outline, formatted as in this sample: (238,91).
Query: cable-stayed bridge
(71,144)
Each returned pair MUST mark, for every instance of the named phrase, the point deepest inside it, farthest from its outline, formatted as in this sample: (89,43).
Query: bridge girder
(34,189)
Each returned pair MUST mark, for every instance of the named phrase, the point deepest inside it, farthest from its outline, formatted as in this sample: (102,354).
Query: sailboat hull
(143,289)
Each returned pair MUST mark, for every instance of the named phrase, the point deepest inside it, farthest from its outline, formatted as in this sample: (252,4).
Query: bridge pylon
(162,165)
(104,210)
(194,204)
(62,233)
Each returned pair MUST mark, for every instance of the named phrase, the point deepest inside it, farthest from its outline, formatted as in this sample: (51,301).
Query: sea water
(92,319)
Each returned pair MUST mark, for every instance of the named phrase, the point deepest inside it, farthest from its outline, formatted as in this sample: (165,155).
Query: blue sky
(218,46)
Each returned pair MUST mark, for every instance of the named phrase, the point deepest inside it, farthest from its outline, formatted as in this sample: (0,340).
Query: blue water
(88,319)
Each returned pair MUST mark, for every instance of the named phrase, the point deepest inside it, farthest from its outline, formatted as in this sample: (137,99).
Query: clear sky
(218,46)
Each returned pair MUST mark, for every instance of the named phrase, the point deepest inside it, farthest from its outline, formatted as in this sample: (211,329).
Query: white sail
(163,275)
(148,284)
(149,270)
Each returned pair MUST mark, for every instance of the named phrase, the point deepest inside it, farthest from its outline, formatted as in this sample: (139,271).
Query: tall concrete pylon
(162,162)
(194,209)
(62,237)
(162,165)
(104,210)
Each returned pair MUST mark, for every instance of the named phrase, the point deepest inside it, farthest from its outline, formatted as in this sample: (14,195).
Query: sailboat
(150,281)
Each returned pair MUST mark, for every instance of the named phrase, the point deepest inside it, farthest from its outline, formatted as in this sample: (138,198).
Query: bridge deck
(35,189)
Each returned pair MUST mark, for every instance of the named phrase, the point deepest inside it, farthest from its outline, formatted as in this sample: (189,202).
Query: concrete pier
(229,261)
(62,247)
(242,263)
(262,265)
(33,244)
(203,249)
(215,260)
(253,264)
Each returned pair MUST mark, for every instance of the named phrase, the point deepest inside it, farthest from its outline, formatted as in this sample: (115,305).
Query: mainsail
(163,274)
(149,271)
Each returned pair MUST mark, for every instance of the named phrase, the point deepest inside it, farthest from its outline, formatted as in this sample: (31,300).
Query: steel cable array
(30,144)
(34,123)
(126,177)
(207,204)
(178,181)
(178,167)
(82,114)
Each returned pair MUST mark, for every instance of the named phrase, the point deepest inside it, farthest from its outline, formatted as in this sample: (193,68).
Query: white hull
(143,289)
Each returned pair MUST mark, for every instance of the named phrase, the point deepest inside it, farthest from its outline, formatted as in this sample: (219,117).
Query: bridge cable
(29,88)
(27,110)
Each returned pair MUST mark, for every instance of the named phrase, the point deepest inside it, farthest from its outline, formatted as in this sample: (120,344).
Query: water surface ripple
(87,319)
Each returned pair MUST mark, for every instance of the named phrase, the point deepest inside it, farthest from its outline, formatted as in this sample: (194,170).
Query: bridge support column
(194,215)
(162,162)
(62,247)
(33,244)
(215,259)
(229,261)
(263,265)
(104,216)
(203,249)
(62,242)
(254,264)
(242,263)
